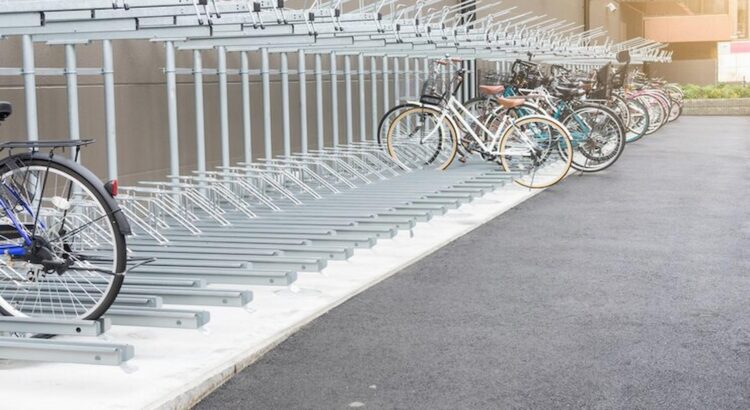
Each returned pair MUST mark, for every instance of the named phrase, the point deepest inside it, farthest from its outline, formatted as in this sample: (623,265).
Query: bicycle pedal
(462,159)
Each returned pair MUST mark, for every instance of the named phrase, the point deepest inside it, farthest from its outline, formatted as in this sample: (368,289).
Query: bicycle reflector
(111,187)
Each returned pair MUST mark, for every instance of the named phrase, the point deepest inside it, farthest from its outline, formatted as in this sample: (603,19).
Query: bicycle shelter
(261,221)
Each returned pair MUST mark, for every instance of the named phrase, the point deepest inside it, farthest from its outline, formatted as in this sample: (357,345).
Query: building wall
(701,72)
(141,101)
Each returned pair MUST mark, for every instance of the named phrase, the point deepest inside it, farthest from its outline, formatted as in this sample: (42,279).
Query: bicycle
(62,234)
(537,149)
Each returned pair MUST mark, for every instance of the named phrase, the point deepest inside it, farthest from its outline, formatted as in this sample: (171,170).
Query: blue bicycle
(62,234)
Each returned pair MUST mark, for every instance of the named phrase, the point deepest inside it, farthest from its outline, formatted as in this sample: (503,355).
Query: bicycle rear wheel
(639,120)
(538,149)
(598,137)
(73,250)
(421,137)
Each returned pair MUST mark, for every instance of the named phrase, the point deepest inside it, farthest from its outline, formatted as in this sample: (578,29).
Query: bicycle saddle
(511,102)
(491,89)
(5,110)
(570,92)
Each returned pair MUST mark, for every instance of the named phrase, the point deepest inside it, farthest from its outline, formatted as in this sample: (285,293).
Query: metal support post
(348,95)
(247,125)
(417,78)
(386,97)
(334,100)
(396,81)
(174,150)
(266,78)
(407,77)
(465,85)
(374,97)
(71,77)
(29,88)
(110,130)
(319,100)
(301,72)
(362,108)
(223,105)
(200,128)
(285,104)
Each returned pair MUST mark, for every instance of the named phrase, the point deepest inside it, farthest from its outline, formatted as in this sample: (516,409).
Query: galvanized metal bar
(54,326)
(174,150)
(247,129)
(223,105)
(266,79)
(373,99)
(302,74)
(45,350)
(407,77)
(417,78)
(334,99)
(319,101)
(110,126)
(396,81)
(386,86)
(362,104)
(200,127)
(285,122)
(29,88)
(348,96)
(71,77)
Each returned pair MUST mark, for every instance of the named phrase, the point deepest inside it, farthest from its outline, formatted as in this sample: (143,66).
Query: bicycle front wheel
(422,137)
(64,252)
(538,150)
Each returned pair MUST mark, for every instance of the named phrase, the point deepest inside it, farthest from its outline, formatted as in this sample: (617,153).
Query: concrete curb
(193,393)
(705,107)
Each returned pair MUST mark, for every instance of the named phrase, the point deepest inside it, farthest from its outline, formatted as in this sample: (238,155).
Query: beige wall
(702,72)
(142,134)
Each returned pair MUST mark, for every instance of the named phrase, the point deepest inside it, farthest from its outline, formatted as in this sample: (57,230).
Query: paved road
(626,289)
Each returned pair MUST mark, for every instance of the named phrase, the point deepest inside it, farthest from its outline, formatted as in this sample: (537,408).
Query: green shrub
(718,91)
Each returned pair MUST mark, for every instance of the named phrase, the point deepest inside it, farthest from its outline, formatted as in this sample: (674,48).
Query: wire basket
(436,89)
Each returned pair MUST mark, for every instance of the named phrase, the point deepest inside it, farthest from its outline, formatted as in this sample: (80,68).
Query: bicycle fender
(116,215)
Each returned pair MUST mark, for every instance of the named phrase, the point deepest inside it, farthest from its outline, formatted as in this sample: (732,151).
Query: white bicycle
(536,148)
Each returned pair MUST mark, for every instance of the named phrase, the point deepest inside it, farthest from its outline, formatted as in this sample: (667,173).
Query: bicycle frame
(11,249)
(453,111)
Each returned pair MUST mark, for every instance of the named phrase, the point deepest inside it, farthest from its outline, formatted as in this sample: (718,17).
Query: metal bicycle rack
(261,222)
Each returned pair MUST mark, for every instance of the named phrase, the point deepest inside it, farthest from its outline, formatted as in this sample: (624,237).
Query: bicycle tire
(108,295)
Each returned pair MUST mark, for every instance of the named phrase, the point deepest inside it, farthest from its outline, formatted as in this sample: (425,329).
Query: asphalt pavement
(627,289)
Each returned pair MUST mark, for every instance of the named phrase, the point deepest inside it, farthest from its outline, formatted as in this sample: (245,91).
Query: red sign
(740,47)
